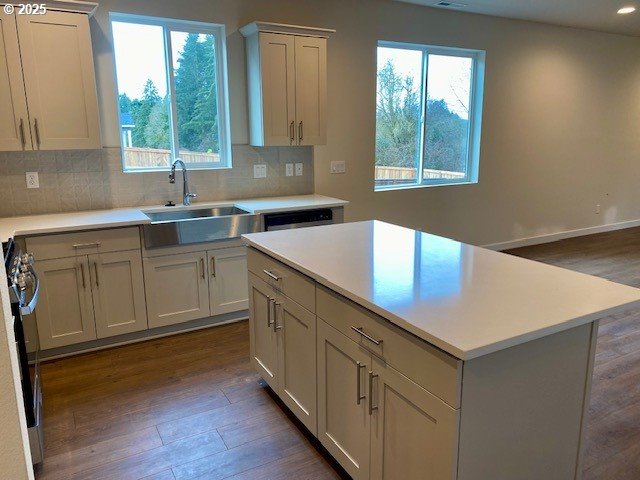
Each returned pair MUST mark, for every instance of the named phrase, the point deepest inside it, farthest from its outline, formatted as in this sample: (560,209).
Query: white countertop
(466,300)
(121,217)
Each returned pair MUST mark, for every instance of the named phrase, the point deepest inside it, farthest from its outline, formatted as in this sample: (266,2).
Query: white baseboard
(553,237)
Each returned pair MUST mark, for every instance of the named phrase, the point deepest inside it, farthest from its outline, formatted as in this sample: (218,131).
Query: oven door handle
(31,306)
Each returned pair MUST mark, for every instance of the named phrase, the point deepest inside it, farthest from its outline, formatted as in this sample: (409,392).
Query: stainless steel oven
(24,289)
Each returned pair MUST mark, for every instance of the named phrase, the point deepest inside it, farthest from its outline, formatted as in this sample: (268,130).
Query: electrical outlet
(288,169)
(298,169)
(32,180)
(260,171)
(338,166)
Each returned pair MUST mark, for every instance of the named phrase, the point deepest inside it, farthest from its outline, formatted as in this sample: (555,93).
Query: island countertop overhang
(465,300)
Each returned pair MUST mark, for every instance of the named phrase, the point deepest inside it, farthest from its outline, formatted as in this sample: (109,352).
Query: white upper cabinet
(48,95)
(287,84)
(13,103)
(311,90)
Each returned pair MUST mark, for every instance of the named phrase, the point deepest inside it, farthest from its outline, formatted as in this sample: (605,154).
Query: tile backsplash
(93,179)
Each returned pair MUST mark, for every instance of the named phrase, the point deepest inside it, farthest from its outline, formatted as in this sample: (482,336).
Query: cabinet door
(176,288)
(344,423)
(311,90)
(277,72)
(118,293)
(65,309)
(297,360)
(59,78)
(14,122)
(263,342)
(413,433)
(228,280)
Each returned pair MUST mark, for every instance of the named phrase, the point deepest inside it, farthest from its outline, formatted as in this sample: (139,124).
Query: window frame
(222,88)
(476,98)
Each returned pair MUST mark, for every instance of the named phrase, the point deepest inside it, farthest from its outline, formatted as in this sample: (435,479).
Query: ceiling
(591,14)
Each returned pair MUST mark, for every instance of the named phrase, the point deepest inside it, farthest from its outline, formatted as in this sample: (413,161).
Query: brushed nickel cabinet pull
(84,285)
(268,311)
(292,128)
(202,267)
(359,396)
(23,139)
(213,266)
(360,331)
(37,129)
(372,376)
(300,135)
(95,266)
(86,245)
(276,327)
(272,275)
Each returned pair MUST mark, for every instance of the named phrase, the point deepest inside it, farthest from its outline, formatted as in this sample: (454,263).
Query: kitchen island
(410,355)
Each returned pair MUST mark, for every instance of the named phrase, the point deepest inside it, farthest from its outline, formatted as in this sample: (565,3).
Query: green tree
(398,119)
(196,95)
(398,129)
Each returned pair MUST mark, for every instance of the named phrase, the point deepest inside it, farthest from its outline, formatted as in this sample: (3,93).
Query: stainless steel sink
(180,227)
(179,215)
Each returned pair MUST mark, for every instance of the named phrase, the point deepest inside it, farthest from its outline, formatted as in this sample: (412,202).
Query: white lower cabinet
(283,349)
(176,288)
(262,337)
(413,433)
(117,286)
(376,422)
(296,328)
(228,280)
(189,286)
(344,423)
(65,308)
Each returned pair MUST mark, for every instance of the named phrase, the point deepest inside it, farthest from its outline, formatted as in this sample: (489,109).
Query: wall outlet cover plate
(298,169)
(260,171)
(338,166)
(32,180)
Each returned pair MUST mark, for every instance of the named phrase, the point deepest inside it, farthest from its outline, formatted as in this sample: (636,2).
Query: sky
(442,69)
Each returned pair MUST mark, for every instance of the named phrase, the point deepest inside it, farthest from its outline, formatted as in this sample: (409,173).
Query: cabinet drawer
(431,368)
(83,243)
(294,285)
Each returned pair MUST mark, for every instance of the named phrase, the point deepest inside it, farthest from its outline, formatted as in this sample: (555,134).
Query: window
(172,93)
(428,115)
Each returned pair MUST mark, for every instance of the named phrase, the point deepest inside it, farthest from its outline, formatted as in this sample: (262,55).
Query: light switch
(288,169)
(260,171)
(32,180)
(338,166)
(298,169)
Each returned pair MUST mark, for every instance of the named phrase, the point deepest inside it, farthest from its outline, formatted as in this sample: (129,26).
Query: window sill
(424,185)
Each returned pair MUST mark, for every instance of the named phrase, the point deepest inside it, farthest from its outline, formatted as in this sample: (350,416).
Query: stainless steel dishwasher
(302,218)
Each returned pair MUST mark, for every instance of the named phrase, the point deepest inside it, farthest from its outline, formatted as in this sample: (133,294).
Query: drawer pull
(372,407)
(86,245)
(368,337)
(276,327)
(272,275)
(213,266)
(359,396)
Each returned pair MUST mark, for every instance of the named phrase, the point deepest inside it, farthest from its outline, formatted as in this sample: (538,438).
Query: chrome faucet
(186,194)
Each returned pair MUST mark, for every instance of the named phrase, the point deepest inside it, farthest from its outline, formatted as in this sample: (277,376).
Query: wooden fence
(153,157)
(393,174)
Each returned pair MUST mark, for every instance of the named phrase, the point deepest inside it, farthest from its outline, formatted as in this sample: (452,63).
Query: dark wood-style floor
(190,406)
